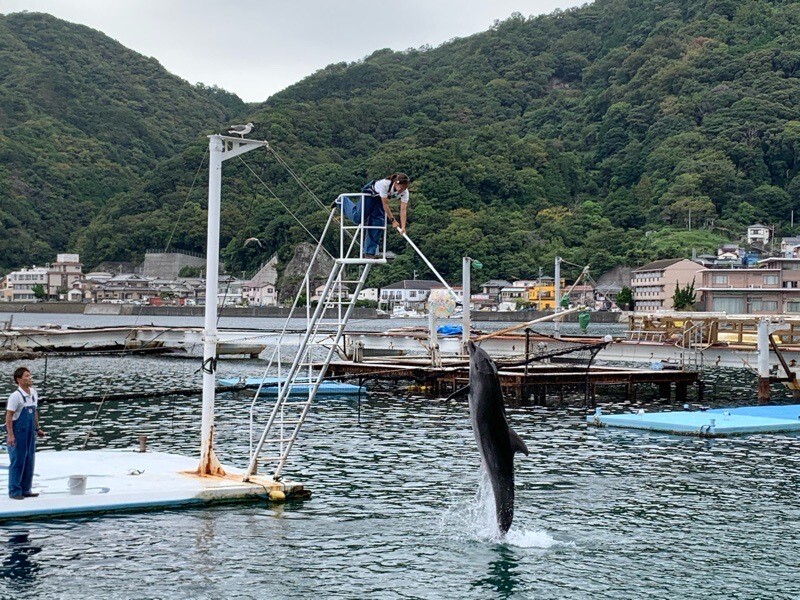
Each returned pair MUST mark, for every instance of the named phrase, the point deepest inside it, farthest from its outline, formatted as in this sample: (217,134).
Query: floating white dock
(127,481)
(710,423)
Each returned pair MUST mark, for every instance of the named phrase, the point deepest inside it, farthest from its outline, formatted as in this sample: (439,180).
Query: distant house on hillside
(790,247)
(759,234)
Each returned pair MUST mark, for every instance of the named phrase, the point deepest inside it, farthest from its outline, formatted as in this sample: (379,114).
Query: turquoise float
(716,422)
(270,386)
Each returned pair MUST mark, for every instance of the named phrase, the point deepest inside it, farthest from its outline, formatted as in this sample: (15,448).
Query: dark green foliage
(684,298)
(624,299)
(619,132)
(83,120)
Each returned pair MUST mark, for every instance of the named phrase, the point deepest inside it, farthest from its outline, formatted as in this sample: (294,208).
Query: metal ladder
(692,346)
(333,309)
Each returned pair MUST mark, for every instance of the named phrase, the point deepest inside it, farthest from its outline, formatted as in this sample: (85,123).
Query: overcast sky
(255,48)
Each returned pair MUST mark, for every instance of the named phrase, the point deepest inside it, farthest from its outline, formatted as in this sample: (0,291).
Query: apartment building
(770,289)
(20,284)
(63,274)
(653,284)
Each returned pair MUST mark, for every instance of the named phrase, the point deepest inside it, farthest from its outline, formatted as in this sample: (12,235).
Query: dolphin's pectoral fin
(459,393)
(517,445)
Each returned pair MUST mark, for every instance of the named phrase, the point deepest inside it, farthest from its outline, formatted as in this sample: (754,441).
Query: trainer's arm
(10,426)
(403,216)
(386,209)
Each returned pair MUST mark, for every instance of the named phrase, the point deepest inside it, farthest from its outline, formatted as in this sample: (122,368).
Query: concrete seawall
(62,308)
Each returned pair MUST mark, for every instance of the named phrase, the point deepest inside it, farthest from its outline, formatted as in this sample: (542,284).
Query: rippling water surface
(397,510)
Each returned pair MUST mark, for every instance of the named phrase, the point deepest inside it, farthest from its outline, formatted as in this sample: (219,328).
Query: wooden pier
(521,384)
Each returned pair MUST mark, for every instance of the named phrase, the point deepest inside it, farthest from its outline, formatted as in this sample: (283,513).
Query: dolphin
(497,442)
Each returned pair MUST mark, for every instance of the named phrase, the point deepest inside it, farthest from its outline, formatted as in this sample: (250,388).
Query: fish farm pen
(521,384)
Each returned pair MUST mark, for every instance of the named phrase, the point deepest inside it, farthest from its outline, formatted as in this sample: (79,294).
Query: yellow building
(542,295)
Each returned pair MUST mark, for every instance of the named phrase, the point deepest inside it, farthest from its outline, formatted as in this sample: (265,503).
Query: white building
(758,234)
(229,291)
(409,294)
(524,283)
(19,284)
(790,247)
(368,294)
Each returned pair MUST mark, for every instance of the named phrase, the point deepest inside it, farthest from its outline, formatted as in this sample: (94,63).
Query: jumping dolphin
(497,442)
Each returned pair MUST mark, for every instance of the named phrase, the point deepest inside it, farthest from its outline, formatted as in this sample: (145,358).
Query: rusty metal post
(763,390)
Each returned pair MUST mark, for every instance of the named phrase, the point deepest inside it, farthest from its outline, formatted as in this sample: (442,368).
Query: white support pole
(466,285)
(220,148)
(433,341)
(763,359)
(763,347)
(557,282)
(208,461)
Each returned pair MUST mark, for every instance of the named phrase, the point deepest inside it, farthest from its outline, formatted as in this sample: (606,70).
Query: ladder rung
(276,440)
(265,459)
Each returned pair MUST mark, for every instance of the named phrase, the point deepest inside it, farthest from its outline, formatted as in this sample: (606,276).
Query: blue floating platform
(270,387)
(709,423)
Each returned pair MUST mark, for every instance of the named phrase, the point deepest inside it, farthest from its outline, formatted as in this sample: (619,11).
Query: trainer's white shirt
(382,186)
(19,400)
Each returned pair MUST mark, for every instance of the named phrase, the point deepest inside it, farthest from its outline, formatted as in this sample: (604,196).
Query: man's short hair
(19,372)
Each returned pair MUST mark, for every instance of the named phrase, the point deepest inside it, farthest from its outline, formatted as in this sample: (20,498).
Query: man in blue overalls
(22,426)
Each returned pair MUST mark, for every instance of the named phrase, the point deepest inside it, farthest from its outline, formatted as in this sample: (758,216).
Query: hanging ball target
(441,303)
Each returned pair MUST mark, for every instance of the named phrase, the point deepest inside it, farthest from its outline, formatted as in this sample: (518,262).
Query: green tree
(684,298)
(38,291)
(187,271)
(624,298)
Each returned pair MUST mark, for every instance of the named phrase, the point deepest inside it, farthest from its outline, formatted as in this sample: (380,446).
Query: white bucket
(77,484)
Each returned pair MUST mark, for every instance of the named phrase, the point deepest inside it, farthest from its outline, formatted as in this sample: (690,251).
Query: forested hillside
(619,132)
(82,119)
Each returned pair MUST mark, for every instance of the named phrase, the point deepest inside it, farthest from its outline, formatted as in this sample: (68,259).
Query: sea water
(400,508)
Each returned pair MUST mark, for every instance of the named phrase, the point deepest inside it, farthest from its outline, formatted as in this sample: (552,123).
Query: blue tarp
(449,330)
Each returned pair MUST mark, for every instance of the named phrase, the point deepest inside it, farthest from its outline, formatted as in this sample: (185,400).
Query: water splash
(475,520)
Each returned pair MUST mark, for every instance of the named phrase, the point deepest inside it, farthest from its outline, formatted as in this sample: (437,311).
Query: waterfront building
(542,295)
(409,294)
(369,294)
(20,284)
(492,288)
(771,288)
(62,274)
(653,284)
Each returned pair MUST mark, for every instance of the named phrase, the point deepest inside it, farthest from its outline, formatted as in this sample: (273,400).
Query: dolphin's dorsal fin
(517,445)
(459,393)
